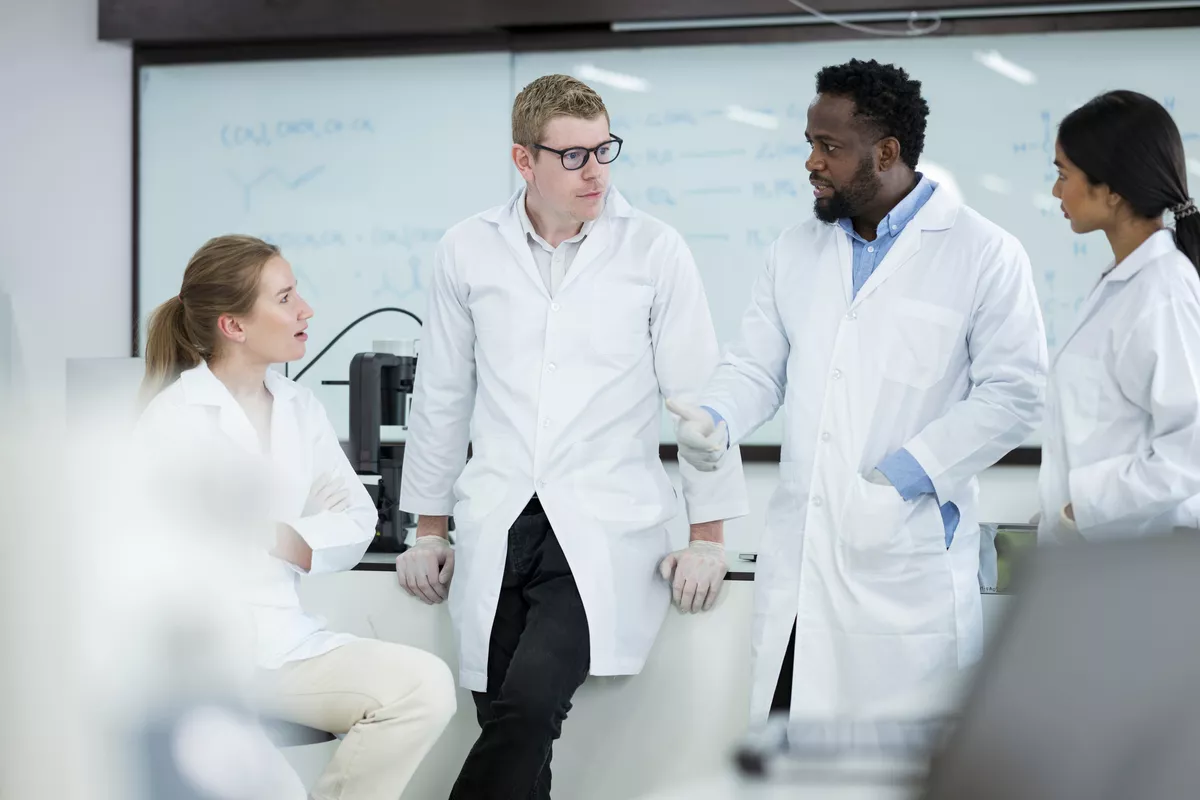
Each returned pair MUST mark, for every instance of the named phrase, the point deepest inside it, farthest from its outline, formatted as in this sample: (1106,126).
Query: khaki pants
(391,702)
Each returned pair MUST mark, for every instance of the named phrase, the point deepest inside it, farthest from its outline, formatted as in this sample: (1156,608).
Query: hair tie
(1185,209)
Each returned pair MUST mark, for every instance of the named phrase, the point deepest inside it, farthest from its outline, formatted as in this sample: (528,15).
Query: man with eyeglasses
(557,324)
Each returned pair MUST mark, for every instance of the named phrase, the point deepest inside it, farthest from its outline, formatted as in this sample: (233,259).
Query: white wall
(65,197)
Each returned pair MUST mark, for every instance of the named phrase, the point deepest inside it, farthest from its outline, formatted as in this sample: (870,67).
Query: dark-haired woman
(1121,451)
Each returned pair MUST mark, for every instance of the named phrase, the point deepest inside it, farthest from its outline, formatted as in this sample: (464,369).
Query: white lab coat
(562,396)
(942,352)
(206,465)
(1122,435)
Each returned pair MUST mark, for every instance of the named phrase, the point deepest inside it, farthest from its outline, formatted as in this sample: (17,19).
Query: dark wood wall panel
(224,21)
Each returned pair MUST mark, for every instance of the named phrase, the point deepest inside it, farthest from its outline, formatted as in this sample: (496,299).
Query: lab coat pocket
(921,340)
(1078,382)
(622,483)
(873,532)
(620,322)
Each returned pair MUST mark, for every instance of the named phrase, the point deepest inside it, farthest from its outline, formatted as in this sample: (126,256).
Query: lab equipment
(381,386)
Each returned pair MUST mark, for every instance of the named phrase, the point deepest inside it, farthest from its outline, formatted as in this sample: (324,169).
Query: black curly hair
(885,97)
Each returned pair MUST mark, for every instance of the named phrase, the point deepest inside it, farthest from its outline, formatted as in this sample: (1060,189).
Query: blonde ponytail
(222,278)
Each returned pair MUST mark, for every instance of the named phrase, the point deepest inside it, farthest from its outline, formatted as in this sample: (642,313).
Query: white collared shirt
(552,262)
(208,473)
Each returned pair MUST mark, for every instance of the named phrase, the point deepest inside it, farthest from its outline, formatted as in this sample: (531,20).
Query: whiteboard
(696,159)
(354,167)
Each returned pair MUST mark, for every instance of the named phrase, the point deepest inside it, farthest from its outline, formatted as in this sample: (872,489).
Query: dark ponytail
(1129,143)
(1187,231)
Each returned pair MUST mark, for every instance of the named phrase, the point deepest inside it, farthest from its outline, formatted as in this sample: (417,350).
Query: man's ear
(888,152)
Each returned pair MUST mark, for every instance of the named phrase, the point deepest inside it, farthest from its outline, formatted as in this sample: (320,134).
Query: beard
(850,200)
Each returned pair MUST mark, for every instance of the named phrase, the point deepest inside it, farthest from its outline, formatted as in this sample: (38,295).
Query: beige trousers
(391,702)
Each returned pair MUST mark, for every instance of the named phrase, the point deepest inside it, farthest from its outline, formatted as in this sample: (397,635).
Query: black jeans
(539,654)
(782,701)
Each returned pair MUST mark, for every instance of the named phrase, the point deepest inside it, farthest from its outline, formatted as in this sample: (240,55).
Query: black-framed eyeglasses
(574,158)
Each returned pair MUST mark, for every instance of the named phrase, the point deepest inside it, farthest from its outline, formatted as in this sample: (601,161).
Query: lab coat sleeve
(1158,367)
(685,354)
(748,386)
(439,424)
(1006,344)
(338,539)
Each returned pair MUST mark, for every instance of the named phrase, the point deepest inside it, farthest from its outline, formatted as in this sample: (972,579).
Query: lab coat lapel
(596,244)
(1154,247)
(591,250)
(287,438)
(508,220)
(201,387)
(937,214)
(845,263)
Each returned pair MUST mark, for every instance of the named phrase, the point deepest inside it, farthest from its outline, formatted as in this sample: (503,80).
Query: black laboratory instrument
(381,385)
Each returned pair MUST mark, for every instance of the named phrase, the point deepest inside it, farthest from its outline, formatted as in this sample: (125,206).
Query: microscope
(381,387)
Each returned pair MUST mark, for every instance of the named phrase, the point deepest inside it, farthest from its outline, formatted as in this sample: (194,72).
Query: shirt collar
(902,213)
(1159,244)
(528,229)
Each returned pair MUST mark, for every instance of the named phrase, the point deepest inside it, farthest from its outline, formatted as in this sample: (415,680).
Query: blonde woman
(208,354)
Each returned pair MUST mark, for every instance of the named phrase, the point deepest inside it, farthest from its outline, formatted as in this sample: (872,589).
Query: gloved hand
(701,443)
(696,574)
(1067,518)
(425,569)
(328,493)
(879,478)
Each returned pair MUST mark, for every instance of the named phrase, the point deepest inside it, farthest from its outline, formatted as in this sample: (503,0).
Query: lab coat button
(837,374)
(554,306)
(853,315)
(816,501)
(551,368)
(825,437)
(545,423)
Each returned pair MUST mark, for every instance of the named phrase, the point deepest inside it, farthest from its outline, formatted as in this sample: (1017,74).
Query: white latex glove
(329,493)
(696,574)
(701,443)
(879,478)
(425,569)
(1067,517)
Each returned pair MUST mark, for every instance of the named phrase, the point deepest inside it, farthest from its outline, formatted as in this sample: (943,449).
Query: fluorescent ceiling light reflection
(617,80)
(994,183)
(998,63)
(756,118)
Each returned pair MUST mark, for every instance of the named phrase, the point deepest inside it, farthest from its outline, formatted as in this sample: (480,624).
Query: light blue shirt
(904,472)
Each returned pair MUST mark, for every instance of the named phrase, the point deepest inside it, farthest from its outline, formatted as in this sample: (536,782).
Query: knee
(432,695)
(535,705)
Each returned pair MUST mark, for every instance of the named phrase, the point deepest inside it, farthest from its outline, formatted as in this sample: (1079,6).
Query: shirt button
(554,306)
(816,501)
(870,249)
(837,374)
(825,437)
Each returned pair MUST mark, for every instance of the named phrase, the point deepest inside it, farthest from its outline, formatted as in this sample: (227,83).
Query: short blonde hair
(548,97)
